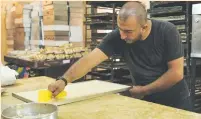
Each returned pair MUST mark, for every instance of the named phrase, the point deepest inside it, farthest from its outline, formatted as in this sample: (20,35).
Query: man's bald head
(136,9)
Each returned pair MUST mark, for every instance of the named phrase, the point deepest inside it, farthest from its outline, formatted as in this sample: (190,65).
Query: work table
(111,106)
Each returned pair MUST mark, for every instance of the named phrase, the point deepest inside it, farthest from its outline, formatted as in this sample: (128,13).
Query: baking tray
(106,3)
(98,22)
(156,4)
(102,16)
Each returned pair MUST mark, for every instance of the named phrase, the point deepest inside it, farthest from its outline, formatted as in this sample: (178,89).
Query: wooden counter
(106,107)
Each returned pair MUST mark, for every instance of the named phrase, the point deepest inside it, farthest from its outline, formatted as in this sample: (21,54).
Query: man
(153,52)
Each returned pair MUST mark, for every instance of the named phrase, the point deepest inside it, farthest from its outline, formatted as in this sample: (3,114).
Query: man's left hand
(138,92)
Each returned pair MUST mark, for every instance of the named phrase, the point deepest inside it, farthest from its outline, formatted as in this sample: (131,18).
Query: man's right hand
(56,87)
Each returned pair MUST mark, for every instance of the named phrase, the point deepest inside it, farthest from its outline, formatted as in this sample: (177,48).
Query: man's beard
(130,41)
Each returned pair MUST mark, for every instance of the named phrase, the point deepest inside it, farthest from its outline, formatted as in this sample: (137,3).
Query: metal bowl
(30,111)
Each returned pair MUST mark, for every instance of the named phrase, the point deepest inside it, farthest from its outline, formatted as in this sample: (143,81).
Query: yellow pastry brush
(46,95)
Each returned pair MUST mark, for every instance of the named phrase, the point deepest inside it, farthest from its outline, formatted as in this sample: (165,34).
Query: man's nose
(123,35)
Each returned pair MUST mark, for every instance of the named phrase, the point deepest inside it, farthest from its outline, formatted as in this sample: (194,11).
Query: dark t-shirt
(147,59)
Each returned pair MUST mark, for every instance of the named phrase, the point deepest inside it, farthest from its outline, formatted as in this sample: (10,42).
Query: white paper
(26,38)
(26,16)
(196,9)
(27,25)
(34,14)
(37,8)
(27,29)
(66,61)
(27,34)
(76,34)
(26,21)
(56,28)
(35,19)
(28,6)
(26,11)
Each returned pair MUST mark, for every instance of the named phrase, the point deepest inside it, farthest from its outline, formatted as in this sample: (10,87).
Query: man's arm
(175,61)
(173,75)
(85,64)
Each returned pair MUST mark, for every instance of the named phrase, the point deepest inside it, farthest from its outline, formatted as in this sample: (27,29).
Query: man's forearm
(77,70)
(84,65)
(167,80)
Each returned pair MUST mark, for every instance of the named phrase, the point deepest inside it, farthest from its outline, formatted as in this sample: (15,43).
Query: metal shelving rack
(105,21)
(99,21)
(177,13)
(169,11)
(196,58)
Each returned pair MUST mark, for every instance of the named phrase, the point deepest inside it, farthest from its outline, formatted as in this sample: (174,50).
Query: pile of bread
(51,53)
(59,53)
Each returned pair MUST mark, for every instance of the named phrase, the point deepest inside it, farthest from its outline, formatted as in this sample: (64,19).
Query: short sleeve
(173,44)
(111,43)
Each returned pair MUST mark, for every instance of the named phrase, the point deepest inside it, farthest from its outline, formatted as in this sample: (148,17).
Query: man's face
(130,30)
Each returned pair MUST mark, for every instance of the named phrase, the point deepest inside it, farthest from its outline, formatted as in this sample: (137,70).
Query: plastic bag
(7,75)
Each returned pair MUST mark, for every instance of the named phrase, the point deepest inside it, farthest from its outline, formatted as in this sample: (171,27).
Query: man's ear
(144,28)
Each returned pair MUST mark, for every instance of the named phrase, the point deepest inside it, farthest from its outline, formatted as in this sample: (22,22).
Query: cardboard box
(56,33)
(77,44)
(19,30)
(19,9)
(10,32)
(47,3)
(76,3)
(55,20)
(19,25)
(10,20)
(56,28)
(20,22)
(76,22)
(55,12)
(77,10)
(9,6)
(18,15)
(35,31)
(10,46)
(11,37)
(19,40)
(10,42)
(57,7)
(54,2)
(77,15)
(59,38)
(19,46)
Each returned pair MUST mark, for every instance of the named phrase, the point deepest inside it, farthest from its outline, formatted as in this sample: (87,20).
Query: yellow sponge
(46,95)
(61,94)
